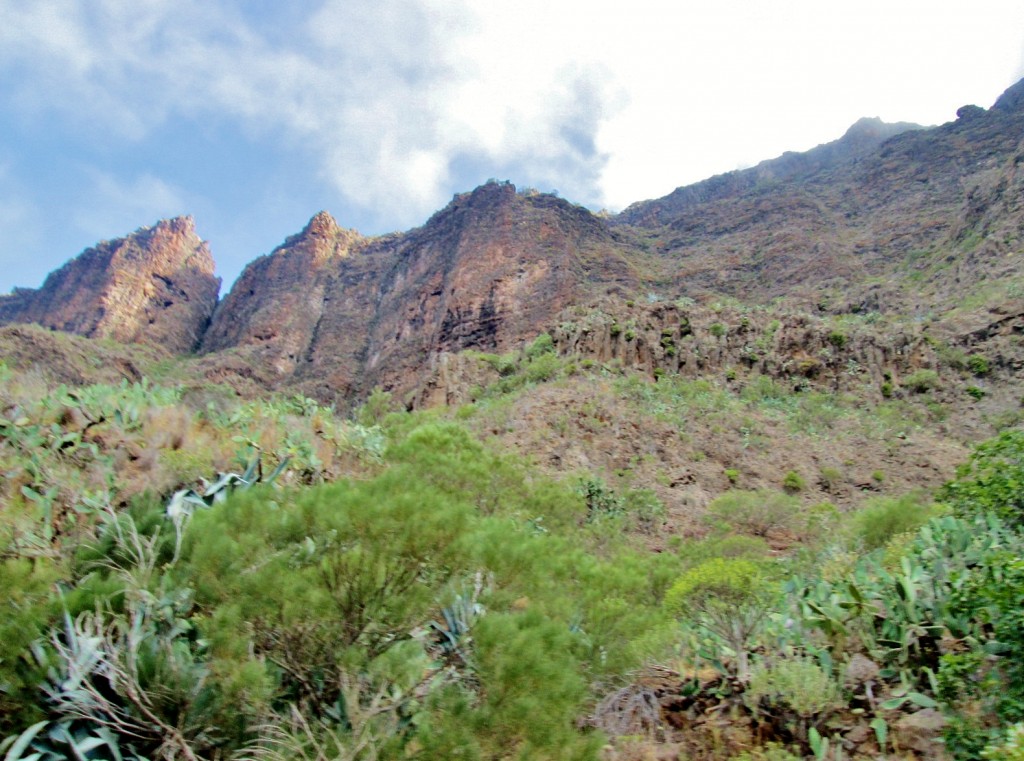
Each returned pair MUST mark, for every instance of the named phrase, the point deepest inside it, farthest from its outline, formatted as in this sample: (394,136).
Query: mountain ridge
(894,218)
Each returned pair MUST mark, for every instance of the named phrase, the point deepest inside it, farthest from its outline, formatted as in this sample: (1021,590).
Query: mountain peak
(155,285)
(321,225)
(1012,99)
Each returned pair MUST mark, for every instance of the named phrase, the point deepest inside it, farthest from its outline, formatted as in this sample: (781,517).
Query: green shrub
(978,364)
(974,392)
(717,329)
(542,368)
(992,480)
(733,475)
(922,380)
(542,344)
(837,338)
(799,685)
(887,389)
(829,478)
(793,482)
(756,513)
(1011,748)
(730,598)
(883,518)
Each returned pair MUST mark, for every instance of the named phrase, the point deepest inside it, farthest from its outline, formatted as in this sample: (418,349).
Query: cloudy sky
(252,115)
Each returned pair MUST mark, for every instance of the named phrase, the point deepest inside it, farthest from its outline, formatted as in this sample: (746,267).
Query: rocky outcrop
(154,286)
(335,314)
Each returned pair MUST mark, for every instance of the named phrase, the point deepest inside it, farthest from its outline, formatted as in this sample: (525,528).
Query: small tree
(730,598)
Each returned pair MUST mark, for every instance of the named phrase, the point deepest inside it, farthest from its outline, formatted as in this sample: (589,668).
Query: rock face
(336,314)
(154,286)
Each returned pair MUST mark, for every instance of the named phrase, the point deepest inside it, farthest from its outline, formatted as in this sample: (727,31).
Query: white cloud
(608,101)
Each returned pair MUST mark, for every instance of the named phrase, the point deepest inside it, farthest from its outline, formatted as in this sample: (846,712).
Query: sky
(252,115)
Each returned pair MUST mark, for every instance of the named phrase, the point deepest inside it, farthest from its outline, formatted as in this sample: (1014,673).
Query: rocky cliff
(155,286)
(335,314)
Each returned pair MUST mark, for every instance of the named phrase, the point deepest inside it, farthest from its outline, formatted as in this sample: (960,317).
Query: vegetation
(194,575)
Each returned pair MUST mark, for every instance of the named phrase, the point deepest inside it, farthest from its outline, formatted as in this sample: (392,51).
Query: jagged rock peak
(322,225)
(155,285)
(1012,99)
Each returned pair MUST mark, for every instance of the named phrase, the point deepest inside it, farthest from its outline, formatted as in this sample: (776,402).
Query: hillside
(732,474)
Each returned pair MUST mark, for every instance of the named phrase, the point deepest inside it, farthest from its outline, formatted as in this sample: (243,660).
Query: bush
(800,685)
(754,512)
(729,597)
(921,381)
(793,482)
(884,518)
(542,344)
(992,480)
(978,364)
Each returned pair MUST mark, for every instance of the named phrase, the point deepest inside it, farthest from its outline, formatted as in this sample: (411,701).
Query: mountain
(335,314)
(909,223)
(894,219)
(676,483)
(155,286)
(863,137)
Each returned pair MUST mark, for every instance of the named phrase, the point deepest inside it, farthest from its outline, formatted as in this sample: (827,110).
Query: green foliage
(879,520)
(974,392)
(542,344)
(729,597)
(795,684)
(837,338)
(992,480)
(756,513)
(922,380)
(376,408)
(27,610)
(793,482)
(717,329)
(978,364)
(1011,748)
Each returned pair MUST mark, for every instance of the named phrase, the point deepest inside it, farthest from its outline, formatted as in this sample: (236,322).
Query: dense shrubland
(389,587)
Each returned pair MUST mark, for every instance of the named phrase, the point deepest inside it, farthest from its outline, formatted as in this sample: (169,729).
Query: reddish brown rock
(154,286)
(336,314)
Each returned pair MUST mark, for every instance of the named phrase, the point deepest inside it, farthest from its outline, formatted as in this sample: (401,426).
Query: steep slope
(155,286)
(914,224)
(863,137)
(334,314)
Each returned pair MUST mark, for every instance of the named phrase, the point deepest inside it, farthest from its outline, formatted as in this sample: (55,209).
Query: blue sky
(252,115)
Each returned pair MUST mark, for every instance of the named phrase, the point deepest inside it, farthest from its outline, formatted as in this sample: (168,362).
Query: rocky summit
(154,286)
